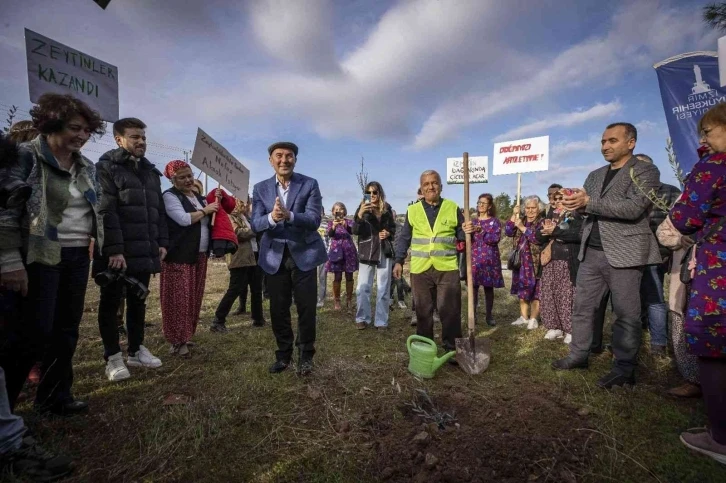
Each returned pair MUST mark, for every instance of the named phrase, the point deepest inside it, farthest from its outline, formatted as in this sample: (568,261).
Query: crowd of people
(587,248)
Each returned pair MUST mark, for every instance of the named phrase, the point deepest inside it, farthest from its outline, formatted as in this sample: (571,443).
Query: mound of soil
(456,438)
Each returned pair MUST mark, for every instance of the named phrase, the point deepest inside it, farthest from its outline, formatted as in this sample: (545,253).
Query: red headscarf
(173,166)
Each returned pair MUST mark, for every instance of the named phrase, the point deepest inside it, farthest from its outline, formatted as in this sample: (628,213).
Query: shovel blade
(476,361)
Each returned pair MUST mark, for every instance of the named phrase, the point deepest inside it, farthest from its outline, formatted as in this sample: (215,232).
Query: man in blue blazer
(286,211)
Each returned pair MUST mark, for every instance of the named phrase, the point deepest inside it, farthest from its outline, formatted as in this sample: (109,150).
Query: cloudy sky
(403,83)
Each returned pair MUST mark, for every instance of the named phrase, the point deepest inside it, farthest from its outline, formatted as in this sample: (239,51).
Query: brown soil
(531,438)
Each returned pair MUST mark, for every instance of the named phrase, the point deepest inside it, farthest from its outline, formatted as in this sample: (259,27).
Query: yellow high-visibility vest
(435,247)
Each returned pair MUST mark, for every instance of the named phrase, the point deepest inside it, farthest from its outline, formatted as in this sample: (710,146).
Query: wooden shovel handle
(469,278)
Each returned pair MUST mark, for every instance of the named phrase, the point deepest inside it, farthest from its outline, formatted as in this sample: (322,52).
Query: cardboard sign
(478,170)
(522,156)
(213,159)
(722,61)
(54,67)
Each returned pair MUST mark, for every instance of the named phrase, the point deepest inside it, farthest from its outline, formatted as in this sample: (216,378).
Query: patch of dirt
(457,437)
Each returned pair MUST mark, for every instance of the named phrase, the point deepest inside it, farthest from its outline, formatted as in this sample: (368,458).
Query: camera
(107,277)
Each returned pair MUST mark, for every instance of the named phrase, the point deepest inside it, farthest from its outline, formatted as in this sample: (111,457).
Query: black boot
(219,326)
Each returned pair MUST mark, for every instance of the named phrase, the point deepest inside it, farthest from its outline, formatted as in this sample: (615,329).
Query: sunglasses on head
(372,192)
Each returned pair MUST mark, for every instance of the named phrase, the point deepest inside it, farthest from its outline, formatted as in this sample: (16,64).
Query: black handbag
(685,274)
(514,260)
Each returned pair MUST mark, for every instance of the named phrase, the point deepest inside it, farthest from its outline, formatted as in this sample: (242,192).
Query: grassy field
(362,417)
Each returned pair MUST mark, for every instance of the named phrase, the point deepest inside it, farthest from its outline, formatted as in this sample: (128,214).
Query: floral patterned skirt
(181,292)
(557,296)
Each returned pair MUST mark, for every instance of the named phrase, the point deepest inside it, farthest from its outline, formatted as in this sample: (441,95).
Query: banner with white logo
(521,156)
(213,159)
(54,67)
(689,86)
(478,170)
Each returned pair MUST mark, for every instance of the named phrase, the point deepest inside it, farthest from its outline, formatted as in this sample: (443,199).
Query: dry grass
(243,424)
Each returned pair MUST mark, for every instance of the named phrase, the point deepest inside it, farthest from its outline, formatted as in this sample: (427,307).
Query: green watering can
(422,356)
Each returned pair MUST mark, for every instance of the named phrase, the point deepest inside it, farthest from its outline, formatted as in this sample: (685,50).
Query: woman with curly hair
(44,255)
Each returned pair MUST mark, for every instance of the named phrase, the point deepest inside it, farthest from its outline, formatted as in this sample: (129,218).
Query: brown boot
(687,390)
(349,296)
(336,294)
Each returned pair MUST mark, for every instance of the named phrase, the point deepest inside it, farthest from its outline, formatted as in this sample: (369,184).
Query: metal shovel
(472,354)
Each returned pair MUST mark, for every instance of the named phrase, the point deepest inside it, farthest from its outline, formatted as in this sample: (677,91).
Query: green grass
(243,424)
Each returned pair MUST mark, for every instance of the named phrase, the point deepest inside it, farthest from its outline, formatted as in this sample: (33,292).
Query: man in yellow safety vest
(431,230)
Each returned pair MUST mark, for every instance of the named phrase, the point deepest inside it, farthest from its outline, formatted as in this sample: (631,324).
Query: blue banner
(689,86)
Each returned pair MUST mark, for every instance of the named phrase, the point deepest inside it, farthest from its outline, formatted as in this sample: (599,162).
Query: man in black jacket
(135,241)
(654,311)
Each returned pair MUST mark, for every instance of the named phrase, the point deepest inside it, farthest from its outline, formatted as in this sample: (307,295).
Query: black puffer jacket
(132,210)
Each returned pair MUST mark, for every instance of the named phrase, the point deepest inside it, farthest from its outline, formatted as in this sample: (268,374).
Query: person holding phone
(375,226)
(342,255)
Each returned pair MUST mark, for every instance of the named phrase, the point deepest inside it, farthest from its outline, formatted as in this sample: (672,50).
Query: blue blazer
(301,236)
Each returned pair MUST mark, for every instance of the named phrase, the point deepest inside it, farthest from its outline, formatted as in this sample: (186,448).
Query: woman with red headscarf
(184,270)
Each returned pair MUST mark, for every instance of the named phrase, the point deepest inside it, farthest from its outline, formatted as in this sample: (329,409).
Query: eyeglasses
(480,203)
(559,199)
(372,192)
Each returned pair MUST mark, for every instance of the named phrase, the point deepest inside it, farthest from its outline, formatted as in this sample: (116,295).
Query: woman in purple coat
(342,255)
(525,280)
(486,262)
(700,211)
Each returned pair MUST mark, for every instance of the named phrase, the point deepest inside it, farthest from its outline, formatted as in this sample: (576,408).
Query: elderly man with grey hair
(431,229)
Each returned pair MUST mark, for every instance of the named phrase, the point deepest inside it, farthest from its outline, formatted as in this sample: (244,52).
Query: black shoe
(491,323)
(35,463)
(305,367)
(69,408)
(258,323)
(569,363)
(279,366)
(218,326)
(611,379)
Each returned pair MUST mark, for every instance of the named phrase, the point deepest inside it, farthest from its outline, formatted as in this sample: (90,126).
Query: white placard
(213,159)
(54,67)
(478,170)
(522,156)
(722,61)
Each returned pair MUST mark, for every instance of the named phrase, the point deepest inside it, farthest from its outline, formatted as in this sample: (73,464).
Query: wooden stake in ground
(466,354)
(519,189)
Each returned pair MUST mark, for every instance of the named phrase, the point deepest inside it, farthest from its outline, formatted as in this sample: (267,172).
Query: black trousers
(46,328)
(288,281)
(239,279)
(713,384)
(111,298)
(434,289)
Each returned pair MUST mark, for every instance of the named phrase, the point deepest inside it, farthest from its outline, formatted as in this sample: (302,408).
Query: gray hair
(536,199)
(430,172)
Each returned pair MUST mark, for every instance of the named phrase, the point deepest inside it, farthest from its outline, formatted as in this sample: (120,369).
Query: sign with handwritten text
(478,170)
(213,159)
(54,67)
(522,156)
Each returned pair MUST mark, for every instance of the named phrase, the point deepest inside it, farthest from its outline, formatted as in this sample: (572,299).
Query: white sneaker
(568,338)
(520,321)
(144,358)
(532,324)
(402,304)
(553,334)
(116,369)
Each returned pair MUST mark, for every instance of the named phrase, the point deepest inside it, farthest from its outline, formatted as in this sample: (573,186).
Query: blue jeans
(653,304)
(383,295)
(12,427)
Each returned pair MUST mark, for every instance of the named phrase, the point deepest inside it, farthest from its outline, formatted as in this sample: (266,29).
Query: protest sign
(722,61)
(689,86)
(522,156)
(54,67)
(478,170)
(213,159)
